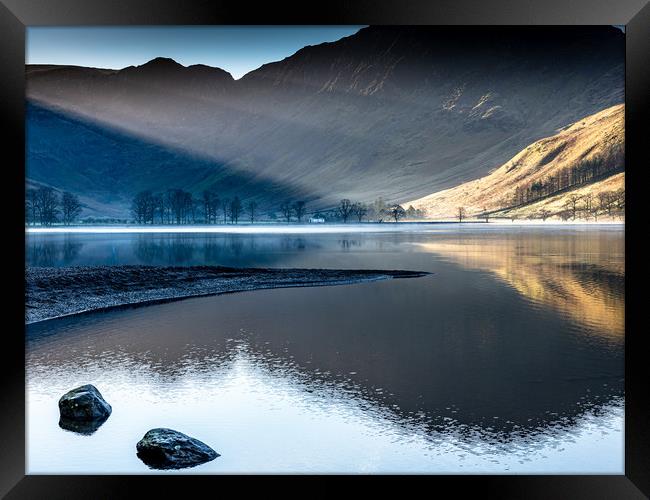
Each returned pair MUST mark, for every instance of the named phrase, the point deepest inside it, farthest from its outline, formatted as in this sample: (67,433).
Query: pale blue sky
(237,49)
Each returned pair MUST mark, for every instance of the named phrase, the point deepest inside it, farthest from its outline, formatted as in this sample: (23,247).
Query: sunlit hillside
(593,143)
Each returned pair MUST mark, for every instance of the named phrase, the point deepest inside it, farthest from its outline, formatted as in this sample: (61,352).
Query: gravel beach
(51,292)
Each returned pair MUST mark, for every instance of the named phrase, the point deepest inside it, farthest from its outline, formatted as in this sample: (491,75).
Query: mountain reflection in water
(510,353)
(576,277)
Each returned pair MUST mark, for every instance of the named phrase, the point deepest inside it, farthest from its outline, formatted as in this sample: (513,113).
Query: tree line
(569,177)
(177,206)
(586,206)
(377,211)
(45,206)
(610,203)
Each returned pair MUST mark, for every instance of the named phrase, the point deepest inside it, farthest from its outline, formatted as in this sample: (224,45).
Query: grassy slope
(596,135)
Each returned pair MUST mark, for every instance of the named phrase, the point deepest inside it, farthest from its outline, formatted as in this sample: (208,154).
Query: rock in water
(80,427)
(84,404)
(170,449)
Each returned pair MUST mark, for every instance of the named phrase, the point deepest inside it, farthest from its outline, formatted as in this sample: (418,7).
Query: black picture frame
(15,15)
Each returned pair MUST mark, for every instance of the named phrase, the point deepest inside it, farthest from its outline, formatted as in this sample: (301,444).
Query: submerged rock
(169,449)
(84,404)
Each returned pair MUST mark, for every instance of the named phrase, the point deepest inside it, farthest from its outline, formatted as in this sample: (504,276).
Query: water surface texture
(507,358)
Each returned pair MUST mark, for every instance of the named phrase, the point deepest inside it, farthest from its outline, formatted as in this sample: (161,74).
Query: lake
(507,358)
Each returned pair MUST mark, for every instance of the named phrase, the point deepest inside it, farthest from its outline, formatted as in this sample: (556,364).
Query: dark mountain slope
(108,167)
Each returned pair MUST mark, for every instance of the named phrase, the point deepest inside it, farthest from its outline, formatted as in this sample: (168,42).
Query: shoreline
(370,227)
(52,293)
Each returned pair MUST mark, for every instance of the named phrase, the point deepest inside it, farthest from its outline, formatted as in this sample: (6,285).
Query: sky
(236,49)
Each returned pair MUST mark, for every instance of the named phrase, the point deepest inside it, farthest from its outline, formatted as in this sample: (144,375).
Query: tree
(70,207)
(359,210)
(32,208)
(397,212)
(571,204)
(461,214)
(299,208)
(287,210)
(544,214)
(588,205)
(251,207)
(606,202)
(142,207)
(159,202)
(377,210)
(46,204)
(28,209)
(169,194)
(619,197)
(225,205)
(345,209)
(182,206)
(235,210)
(195,206)
(210,206)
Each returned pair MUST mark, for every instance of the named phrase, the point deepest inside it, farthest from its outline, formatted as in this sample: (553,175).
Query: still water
(507,358)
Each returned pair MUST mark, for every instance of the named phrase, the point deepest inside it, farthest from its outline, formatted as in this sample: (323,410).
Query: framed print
(367,240)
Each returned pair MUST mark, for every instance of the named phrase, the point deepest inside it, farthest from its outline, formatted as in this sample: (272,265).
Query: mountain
(596,140)
(399,112)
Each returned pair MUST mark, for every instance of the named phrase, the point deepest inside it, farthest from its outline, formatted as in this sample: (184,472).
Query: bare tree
(143,206)
(345,209)
(235,210)
(397,212)
(225,206)
(461,214)
(588,205)
(182,206)
(359,210)
(571,204)
(159,201)
(299,208)
(606,202)
(377,210)
(210,206)
(70,207)
(169,194)
(619,195)
(32,207)
(287,210)
(195,207)
(28,209)
(251,207)
(48,205)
